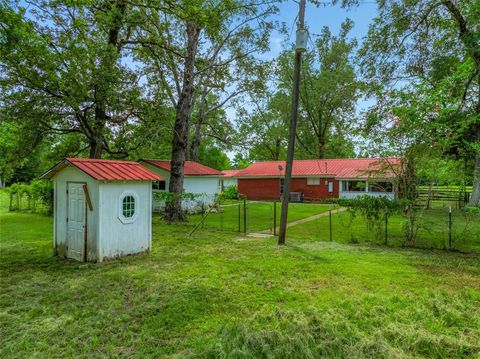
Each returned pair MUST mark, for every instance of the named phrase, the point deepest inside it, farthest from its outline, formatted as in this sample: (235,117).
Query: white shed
(102,208)
(198,179)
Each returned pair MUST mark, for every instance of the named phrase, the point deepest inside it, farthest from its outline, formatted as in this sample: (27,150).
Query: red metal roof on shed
(112,170)
(191,168)
(339,168)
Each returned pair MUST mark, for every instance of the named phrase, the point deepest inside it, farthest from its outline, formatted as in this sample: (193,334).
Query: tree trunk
(101,88)
(183,110)
(96,148)
(475,198)
(321,148)
(197,139)
(278,142)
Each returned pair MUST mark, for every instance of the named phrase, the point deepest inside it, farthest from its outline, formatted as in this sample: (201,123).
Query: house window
(282,185)
(354,186)
(313,181)
(128,209)
(330,187)
(380,187)
(159,185)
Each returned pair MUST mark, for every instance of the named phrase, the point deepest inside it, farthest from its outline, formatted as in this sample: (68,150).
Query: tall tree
(424,58)
(263,130)
(328,97)
(211,40)
(63,69)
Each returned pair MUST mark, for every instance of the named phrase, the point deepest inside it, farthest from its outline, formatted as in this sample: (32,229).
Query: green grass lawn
(212,295)
(260,215)
(433,233)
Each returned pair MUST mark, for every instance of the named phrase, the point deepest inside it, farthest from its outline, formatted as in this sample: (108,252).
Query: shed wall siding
(72,174)
(118,238)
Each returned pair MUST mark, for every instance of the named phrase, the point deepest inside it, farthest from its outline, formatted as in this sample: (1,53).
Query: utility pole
(301,45)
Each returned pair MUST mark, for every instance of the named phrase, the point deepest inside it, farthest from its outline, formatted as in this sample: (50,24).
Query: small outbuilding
(102,208)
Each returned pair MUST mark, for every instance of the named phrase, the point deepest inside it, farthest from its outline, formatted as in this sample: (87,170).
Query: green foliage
(38,195)
(169,197)
(374,210)
(328,95)
(423,60)
(213,157)
(230,192)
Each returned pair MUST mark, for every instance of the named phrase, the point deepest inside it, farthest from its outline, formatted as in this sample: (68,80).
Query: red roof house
(320,179)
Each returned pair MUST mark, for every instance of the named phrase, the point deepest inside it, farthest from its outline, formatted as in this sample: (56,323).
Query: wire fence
(441,228)
(252,216)
(437,228)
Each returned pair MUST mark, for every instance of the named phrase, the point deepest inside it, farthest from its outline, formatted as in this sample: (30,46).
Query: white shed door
(75,221)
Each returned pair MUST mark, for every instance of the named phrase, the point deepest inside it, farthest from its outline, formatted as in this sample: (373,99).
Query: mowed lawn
(433,232)
(260,215)
(213,295)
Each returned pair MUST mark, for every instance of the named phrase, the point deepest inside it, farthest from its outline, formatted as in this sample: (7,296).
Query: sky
(318,17)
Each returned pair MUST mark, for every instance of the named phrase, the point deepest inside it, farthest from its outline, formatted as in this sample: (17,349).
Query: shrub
(230,192)
(375,210)
(39,191)
(43,191)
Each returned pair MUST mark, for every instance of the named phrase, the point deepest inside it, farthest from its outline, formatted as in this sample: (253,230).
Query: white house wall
(118,238)
(73,174)
(227,182)
(207,186)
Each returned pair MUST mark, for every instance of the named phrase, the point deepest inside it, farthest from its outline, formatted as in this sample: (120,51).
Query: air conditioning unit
(296,196)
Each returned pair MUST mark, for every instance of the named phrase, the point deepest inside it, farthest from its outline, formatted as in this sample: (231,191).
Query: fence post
(239,223)
(245,216)
(330,216)
(450,228)
(386,226)
(274,218)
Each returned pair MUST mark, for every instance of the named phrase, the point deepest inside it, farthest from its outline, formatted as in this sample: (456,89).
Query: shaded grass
(212,295)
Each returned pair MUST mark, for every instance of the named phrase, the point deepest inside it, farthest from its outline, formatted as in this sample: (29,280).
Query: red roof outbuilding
(111,170)
(191,168)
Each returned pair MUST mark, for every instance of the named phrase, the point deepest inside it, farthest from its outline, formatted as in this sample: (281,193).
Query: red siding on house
(259,188)
(269,188)
(315,192)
